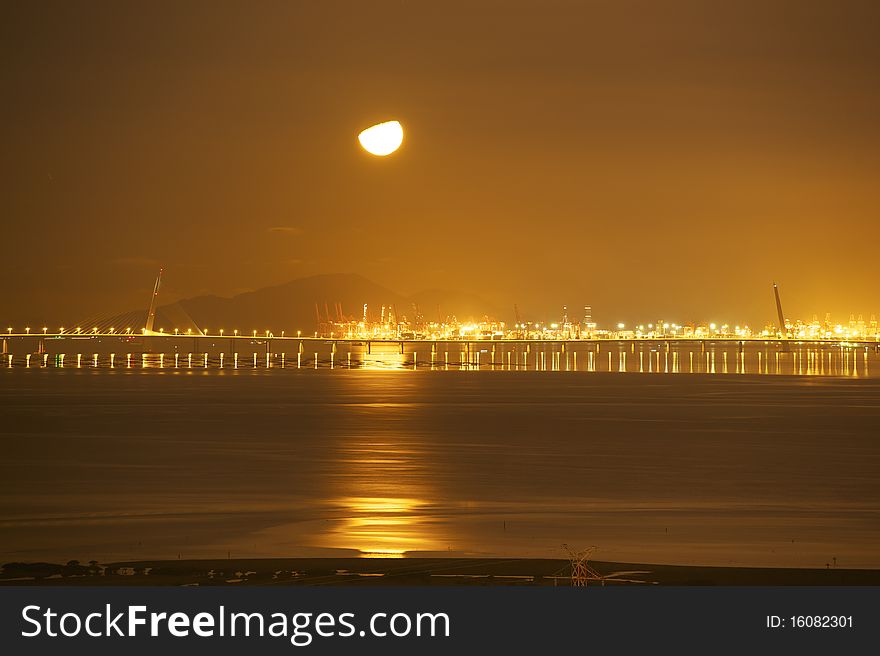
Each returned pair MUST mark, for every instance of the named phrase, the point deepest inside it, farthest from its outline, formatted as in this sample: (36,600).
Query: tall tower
(589,326)
(151,313)
(779,310)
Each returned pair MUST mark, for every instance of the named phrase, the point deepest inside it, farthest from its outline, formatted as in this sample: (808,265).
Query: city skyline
(728,323)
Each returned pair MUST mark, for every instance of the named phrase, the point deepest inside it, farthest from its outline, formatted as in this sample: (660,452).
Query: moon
(382,139)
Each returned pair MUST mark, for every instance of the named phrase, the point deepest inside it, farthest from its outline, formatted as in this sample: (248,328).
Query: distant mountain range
(292,306)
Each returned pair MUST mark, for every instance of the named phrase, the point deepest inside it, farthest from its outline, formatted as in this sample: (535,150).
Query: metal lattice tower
(581,572)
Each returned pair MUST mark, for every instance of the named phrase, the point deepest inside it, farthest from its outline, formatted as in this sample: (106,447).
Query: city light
(385,324)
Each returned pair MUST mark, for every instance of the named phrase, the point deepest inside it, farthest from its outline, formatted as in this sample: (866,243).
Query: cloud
(285,230)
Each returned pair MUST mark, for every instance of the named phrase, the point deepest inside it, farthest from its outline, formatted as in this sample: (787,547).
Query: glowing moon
(382,139)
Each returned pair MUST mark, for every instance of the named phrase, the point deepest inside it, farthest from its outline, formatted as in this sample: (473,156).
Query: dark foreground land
(413,571)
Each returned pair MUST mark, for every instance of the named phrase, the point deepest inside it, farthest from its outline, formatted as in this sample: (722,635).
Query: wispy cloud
(285,230)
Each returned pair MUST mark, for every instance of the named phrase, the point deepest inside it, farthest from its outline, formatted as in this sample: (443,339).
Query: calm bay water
(745,469)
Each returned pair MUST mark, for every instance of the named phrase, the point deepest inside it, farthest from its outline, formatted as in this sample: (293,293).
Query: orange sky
(652,159)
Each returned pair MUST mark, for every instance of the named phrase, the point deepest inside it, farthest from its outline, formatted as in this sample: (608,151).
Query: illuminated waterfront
(388,339)
(388,328)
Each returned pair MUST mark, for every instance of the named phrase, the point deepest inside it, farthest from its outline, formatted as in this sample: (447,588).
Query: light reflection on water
(771,358)
(756,470)
(382,487)
(384,361)
(381,527)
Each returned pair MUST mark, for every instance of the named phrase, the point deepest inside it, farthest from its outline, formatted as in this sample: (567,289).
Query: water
(640,356)
(143,463)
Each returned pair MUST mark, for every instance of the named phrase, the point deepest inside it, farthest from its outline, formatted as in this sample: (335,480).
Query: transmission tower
(581,572)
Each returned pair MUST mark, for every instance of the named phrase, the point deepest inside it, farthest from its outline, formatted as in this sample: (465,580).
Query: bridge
(157,340)
(510,348)
(673,355)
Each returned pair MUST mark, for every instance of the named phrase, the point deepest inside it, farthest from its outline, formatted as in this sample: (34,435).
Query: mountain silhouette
(295,305)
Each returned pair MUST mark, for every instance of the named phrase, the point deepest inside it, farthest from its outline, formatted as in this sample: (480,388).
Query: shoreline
(414,572)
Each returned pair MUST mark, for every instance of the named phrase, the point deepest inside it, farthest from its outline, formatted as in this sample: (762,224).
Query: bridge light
(27,330)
